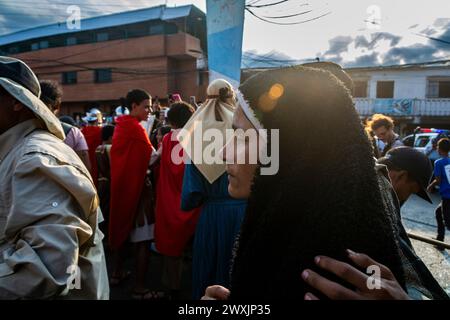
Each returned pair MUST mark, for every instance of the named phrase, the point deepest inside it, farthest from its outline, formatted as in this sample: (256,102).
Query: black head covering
(325,198)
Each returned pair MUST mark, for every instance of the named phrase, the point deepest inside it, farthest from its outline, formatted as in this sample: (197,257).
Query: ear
(403,174)
(395,175)
(17,105)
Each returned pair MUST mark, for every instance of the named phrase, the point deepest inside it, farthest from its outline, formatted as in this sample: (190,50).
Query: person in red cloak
(93,135)
(131,209)
(174,228)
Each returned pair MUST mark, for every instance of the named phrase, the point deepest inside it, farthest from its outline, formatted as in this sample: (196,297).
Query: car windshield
(422,141)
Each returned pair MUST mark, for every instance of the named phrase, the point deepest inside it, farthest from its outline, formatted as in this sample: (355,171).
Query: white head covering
(206,115)
(25,95)
(93,115)
(121,111)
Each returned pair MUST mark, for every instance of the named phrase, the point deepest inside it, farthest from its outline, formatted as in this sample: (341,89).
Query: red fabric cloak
(93,136)
(173,227)
(130,156)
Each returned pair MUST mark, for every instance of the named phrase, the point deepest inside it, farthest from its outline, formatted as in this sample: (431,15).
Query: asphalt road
(418,217)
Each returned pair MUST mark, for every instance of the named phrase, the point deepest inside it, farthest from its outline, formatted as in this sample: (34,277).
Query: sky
(350,32)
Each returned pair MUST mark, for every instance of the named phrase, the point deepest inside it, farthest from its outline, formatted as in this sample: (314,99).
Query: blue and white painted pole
(225,26)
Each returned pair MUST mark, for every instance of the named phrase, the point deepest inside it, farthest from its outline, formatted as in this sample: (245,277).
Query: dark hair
(164,130)
(107,132)
(325,197)
(179,113)
(68,120)
(135,96)
(444,144)
(224,94)
(51,94)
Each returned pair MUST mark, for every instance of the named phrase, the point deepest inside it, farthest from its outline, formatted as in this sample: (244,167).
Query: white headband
(248,111)
(251,116)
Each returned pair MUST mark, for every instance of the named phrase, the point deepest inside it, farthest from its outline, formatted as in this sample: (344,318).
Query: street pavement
(418,217)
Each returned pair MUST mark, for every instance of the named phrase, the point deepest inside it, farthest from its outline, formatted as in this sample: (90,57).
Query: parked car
(426,140)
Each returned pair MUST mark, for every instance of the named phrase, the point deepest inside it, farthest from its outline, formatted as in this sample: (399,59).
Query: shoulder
(79,140)
(43,145)
(438,162)
(167,138)
(76,132)
(383,178)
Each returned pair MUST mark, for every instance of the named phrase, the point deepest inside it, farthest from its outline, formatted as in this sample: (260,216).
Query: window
(171,28)
(70,41)
(13,50)
(103,75)
(200,78)
(444,89)
(156,29)
(116,33)
(39,45)
(438,88)
(433,89)
(69,77)
(43,44)
(360,89)
(385,89)
(422,141)
(85,37)
(137,30)
(103,36)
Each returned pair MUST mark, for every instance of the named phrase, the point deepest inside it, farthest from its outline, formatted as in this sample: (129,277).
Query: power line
(287,23)
(432,38)
(288,16)
(126,78)
(268,58)
(267,5)
(251,7)
(128,71)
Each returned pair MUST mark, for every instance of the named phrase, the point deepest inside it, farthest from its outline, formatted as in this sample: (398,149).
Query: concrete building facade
(413,94)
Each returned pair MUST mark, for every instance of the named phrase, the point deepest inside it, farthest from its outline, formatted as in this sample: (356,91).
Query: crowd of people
(311,230)
(380,129)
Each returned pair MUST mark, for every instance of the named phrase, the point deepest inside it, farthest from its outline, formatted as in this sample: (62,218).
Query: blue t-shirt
(442,170)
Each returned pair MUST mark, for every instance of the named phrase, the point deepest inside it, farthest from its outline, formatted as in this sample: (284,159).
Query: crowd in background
(309,231)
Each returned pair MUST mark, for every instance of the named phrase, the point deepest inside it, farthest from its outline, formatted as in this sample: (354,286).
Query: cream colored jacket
(50,244)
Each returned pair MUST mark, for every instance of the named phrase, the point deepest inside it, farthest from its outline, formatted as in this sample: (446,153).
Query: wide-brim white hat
(12,72)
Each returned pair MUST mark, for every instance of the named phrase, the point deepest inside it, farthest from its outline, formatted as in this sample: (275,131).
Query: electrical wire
(287,23)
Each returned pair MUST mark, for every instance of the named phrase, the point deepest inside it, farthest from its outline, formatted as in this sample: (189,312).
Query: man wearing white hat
(50,244)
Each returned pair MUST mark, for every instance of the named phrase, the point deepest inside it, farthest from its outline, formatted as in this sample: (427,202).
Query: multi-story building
(159,49)
(413,94)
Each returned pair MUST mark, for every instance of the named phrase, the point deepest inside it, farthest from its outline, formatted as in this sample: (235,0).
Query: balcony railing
(403,107)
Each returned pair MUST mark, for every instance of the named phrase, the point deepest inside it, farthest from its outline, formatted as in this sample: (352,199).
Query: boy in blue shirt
(442,174)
